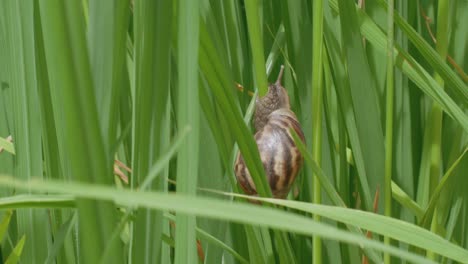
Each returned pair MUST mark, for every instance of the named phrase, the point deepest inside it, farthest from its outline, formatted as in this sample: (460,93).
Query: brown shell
(280,156)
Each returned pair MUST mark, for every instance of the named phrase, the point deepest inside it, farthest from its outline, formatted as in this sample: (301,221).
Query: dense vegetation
(89,86)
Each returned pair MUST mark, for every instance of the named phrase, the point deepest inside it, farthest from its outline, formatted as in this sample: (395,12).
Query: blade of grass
(37,201)
(454,83)
(405,200)
(390,89)
(449,175)
(329,189)
(251,214)
(188,114)
(5,223)
(342,88)
(256,43)
(364,97)
(436,116)
(107,35)
(317,90)
(26,122)
(15,256)
(53,161)
(152,71)
(397,229)
(60,237)
(72,88)
(413,70)
(206,236)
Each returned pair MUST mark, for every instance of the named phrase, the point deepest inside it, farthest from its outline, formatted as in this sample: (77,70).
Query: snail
(280,156)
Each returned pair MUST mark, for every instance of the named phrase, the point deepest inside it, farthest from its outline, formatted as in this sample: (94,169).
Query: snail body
(280,156)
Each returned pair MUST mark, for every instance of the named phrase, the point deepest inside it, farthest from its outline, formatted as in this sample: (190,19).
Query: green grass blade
(5,223)
(256,42)
(60,237)
(412,69)
(454,83)
(330,190)
(251,214)
(152,71)
(448,177)
(73,96)
(390,98)
(53,162)
(15,256)
(37,201)
(405,200)
(435,117)
(107,35)
(394,228)
(188,115)
(364,97)
(342,87)
(317,104)
(26,121)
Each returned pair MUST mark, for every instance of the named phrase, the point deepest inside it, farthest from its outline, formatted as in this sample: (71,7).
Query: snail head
(276,98)
(277,93)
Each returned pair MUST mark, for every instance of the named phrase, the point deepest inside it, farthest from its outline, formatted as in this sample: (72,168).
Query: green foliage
(152,84)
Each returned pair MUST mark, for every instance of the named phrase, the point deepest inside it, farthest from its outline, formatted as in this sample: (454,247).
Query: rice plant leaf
(251,214)
(107,35)
(406,201)
(72,89)
(213,240)
(152,71)
(37,201)
(256,42)
(15,255)
(342,87)
(448,176)
(410,67)
(5,223)
(50,135)
(156,169)
(60,237)
(188,115)
(364,99)
(26,130)
(201,234)
(330,190)
(387,226)
(454,83)
(317,110)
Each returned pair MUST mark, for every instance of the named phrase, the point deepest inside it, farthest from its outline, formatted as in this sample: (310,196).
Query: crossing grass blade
(367,112)
(66,54)
(243,213)
(152,69)
(26,129)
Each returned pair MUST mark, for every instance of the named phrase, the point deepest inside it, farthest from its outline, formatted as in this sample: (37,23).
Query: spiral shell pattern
(279,154)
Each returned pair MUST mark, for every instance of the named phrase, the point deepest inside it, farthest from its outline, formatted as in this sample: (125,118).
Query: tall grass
(152,84)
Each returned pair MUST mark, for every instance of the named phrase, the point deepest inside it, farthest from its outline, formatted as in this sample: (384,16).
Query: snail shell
(279,154)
